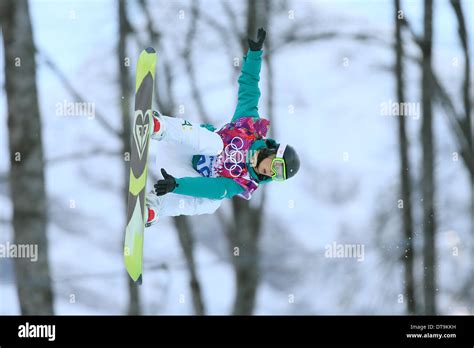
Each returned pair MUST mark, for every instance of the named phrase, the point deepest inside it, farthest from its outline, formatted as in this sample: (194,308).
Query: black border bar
(137,330)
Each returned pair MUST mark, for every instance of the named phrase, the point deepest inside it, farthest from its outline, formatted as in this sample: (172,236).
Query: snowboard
(142,127)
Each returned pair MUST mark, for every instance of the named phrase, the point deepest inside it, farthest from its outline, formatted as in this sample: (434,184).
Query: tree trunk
(27,183)
(244,233)
(268,59)
(187,244)
(181,222)
(125,91)
(466,91)
(429,218)
(405,186)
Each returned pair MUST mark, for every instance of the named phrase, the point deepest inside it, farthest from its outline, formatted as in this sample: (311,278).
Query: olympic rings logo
(234,157)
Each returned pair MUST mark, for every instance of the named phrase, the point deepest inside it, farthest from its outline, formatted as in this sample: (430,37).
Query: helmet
(286,163)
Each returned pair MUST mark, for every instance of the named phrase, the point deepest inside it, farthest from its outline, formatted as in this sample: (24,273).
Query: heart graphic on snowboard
(141,130)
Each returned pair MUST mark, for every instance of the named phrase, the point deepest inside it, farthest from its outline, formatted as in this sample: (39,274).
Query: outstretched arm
(249,93)
(213,188)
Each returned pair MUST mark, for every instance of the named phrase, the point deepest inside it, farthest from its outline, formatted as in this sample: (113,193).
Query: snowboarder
(209,164)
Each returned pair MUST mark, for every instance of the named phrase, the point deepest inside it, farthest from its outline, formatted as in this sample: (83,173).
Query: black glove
(168,184)
(257,46)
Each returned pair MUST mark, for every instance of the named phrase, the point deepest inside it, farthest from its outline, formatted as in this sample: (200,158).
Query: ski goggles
(278,165)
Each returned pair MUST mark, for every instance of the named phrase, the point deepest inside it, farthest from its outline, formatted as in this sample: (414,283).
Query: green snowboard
(141,130)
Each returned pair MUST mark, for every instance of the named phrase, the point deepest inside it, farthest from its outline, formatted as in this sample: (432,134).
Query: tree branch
(5,221)
(156,37)
(468,121)
(466,90)
(226,39)
(291,37)
(181,222)
(232,16)
(74,93)
(80,155)
(455,119)
(187,56)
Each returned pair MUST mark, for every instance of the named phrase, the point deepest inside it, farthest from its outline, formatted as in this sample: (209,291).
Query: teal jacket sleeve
(203,187)
(249,93)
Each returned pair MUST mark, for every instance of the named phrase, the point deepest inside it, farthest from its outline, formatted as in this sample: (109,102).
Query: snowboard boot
(153,205)
(158,126)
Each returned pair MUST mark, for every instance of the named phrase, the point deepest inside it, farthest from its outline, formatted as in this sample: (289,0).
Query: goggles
(278,165)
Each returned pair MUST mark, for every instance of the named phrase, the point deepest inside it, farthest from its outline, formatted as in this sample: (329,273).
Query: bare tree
(68,86)
(467,121)
(189,62)
(125,91)
(428,186)
(27,185)
(466,88)
(245,232)
(268,58)
(456,120)
(186,240)
(405,185)
(182,224)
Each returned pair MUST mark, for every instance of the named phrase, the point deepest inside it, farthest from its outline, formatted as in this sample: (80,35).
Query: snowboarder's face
(265,167)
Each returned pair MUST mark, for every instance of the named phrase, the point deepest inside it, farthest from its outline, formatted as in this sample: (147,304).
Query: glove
(168,184)
(257,46)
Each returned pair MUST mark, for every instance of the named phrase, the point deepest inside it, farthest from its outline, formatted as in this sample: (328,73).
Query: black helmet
(292,160)
(286,163)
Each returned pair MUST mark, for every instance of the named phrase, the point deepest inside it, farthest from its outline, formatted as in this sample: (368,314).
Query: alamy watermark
(336,250)
(406,109)
(75,109)
(28,330)
(19,251)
